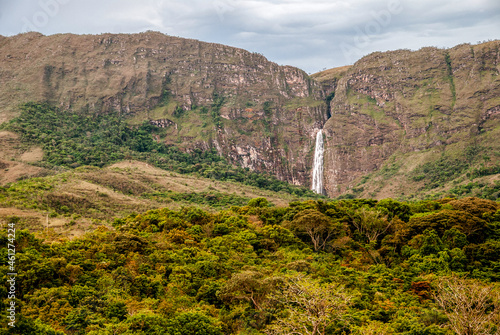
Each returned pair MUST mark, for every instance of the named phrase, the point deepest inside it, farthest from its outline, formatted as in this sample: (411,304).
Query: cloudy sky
(312,35)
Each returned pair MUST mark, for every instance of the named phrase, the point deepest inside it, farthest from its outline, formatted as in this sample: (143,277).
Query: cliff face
(398,110)
(383,118)
(258,114)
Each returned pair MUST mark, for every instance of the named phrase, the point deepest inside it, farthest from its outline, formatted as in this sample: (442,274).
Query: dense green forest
(314,267)
(70,139)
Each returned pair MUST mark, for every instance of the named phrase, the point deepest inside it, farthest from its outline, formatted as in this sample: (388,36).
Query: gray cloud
(312,34)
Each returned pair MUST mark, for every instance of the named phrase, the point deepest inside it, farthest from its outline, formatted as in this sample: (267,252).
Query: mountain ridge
(408,104)
(164,79)
(385,110)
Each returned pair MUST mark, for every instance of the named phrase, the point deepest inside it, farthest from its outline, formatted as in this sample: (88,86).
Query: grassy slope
(93,196)
(15,158)
(331,74)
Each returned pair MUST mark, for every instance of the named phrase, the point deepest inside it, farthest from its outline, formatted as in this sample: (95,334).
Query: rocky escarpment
(383,118)
(397,110)
(258,114)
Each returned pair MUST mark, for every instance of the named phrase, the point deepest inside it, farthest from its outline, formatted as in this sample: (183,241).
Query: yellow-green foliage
(242,270)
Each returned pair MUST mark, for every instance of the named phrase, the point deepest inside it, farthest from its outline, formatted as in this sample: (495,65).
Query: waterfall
(317,178)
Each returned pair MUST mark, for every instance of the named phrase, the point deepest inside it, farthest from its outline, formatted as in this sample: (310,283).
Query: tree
(394,208)
(193,323)
(370,223)
(472,307)
(310,307)
(376,328)
(475,206)
(249,285)
(470,225)
(258,202)
(319,227)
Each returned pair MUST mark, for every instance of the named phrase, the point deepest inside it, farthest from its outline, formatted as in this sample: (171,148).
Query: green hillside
(319,267)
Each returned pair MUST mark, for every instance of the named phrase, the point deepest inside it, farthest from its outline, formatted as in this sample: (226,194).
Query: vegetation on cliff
(71,139)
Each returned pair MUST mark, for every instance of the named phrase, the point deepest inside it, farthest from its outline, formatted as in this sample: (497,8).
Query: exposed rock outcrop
(265,115)
(390,111)
(401,105)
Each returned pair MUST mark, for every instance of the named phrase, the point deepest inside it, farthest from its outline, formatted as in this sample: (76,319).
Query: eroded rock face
(267,116)
(128,72)
(396,104)
(387,108)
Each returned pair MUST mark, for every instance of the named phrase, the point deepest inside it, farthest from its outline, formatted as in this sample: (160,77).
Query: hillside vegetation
(71,139)
(325,267)
(72,202)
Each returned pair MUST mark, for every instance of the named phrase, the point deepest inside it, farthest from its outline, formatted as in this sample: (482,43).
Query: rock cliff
(395,111)
(256,113)
(384,118)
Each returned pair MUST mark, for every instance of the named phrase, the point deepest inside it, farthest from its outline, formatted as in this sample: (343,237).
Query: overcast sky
(312,35)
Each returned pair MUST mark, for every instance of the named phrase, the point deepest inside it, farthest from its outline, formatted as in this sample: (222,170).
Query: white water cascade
(317,178)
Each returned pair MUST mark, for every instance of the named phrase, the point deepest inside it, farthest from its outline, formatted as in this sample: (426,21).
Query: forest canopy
(313,267)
